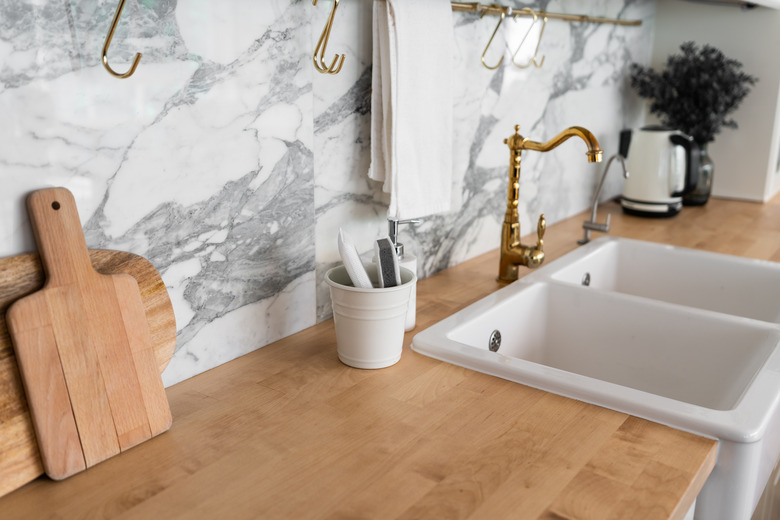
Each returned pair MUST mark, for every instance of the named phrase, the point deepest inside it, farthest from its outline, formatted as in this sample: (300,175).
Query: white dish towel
(411,106)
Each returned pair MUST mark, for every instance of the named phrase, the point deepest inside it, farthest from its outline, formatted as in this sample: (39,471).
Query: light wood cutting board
(84,349)
(19,276)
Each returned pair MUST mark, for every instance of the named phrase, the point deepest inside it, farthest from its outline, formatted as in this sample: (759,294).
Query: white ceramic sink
(682,337)
(722,283)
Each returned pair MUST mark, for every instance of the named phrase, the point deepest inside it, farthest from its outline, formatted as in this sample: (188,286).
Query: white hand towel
(411,106)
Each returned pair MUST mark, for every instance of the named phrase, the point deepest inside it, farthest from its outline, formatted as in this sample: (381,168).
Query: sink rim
(554,269)
(746,422)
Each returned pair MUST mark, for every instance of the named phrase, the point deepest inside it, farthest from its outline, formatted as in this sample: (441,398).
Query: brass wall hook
(530,27)
(495,31)
(107,43)
(539,42)
(322,44)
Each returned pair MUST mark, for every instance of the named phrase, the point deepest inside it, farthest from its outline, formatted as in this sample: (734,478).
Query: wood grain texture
(87,320)
(23,275)
(141,361)
(84,384)
(290,432)
(44,371)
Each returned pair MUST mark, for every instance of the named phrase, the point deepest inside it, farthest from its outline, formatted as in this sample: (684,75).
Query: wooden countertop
(289,432)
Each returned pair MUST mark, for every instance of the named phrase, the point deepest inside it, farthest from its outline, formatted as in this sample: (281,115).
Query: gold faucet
(513,253)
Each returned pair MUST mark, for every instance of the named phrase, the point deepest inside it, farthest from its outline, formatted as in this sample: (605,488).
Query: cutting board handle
(57,228)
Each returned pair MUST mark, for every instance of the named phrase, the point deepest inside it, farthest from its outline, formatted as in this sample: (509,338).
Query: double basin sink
(678,336)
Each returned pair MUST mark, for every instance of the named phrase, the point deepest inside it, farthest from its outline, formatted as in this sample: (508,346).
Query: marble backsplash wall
(582,82)
(230,163)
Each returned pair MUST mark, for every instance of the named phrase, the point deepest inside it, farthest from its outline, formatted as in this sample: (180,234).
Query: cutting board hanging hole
(55,205)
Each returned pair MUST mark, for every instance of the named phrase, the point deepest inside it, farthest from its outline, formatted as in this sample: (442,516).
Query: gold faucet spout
(513,253)
(594,152)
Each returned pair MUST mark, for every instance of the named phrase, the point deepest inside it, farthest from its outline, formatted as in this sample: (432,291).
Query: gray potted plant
(696,93)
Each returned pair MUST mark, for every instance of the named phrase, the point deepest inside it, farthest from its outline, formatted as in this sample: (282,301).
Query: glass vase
(701,194)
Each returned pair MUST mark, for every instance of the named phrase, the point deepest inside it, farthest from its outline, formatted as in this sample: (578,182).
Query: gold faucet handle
(541,227)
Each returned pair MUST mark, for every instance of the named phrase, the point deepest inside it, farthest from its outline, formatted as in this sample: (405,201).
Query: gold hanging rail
(476,7)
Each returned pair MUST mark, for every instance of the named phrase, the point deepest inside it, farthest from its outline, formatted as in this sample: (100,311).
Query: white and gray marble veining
(582,82)
(230,163)
(201,162)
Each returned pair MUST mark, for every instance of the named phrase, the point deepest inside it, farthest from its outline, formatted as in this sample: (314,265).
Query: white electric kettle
(664,165)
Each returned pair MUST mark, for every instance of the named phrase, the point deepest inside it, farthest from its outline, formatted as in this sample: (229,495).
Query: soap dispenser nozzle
(410,263)
(392,233)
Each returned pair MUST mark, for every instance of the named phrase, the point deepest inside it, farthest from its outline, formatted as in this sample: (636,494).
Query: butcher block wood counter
(289,432)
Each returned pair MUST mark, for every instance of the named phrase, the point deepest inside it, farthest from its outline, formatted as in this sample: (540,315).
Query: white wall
(746,158)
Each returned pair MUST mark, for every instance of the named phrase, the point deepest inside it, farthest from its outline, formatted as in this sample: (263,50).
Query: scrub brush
(387,267)
(349,255)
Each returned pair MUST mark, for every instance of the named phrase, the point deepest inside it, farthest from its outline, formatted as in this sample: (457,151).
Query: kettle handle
(625,142)
(692,154)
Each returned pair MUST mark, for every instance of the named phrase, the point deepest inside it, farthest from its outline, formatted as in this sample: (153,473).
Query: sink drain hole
(495,341)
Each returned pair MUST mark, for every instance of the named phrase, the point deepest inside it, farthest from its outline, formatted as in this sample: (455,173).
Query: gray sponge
(387,267)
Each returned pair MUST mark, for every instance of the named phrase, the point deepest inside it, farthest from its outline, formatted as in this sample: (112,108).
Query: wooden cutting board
(21,275)
(85,349)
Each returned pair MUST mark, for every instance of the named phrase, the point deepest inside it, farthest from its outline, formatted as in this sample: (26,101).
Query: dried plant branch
(696,92)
